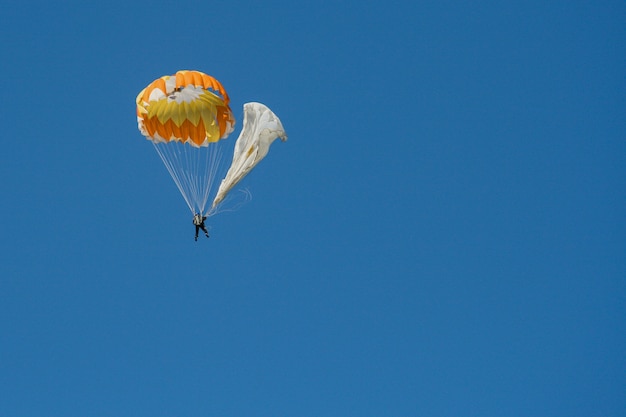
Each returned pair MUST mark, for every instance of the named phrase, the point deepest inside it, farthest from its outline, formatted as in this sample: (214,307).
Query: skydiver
(198,221)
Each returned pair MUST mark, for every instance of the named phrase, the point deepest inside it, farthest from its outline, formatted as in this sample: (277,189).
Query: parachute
(261,127)
(187,116)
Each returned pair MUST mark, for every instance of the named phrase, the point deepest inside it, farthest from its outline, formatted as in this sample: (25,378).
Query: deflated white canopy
(261,127)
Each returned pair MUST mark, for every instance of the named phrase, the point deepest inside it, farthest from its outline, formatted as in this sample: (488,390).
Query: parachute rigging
(193,170)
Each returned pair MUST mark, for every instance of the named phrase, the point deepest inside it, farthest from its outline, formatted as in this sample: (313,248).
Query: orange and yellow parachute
(185,116)
(189,106)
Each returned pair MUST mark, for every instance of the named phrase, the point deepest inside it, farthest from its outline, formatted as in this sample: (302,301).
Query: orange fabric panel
(180,79)
(160,84)
(175,129)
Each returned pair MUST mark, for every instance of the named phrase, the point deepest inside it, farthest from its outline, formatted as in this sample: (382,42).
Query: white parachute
(261,127)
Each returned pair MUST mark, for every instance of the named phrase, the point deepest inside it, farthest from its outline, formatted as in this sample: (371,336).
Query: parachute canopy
(185,116)
(189,107)
(261,127)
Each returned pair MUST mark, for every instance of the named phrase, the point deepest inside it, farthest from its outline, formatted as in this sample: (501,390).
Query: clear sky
(443,234)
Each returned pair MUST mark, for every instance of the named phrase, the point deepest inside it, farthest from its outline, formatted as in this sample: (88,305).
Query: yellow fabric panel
(192,111)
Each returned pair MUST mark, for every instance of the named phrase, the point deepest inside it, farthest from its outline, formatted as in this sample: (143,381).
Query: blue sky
(442,235)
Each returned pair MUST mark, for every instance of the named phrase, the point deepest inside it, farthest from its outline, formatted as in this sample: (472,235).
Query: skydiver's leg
(206,232)
(197,229)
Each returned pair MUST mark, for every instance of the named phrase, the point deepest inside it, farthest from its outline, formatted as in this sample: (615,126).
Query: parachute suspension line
(193,170)
(206,165)
(204,180)
(214,160)
(189,171)
(168,156)
(200,162)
